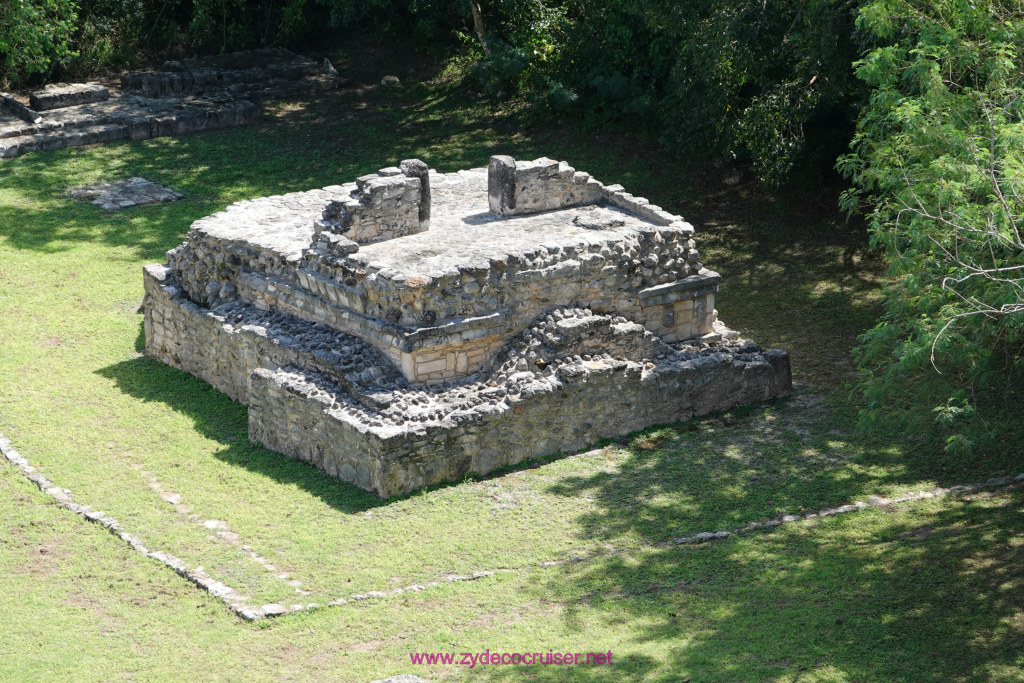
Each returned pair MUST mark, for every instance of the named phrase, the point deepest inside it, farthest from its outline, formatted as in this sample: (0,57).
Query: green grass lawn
(932,590)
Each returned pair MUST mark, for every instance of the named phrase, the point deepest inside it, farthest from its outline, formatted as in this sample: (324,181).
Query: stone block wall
(9,105)
(58,95)
(516,188)
(603,275)
(440,363)
(442,328)
(301,416)
(523,187)
(233,70)
(393,203)
(209,268)
(439,327)
(564,382)
(224,344)
(677,310)
(208,264)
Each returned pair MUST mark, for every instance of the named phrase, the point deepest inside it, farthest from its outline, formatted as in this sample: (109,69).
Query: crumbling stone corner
(414,168)
(394,202)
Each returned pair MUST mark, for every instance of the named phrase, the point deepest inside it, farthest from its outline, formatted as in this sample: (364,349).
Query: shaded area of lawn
(219,418)
(931,593)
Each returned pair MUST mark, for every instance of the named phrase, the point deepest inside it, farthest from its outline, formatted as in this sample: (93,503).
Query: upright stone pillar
(501,185)
(414,168)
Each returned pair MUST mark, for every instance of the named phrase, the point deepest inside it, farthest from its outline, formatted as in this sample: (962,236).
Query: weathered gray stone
(12,106)
(248,73)
(414,168)
(525,187)
(501,185)
(57,95)
(187,96)
(413,358)
(124,193)
(383,206)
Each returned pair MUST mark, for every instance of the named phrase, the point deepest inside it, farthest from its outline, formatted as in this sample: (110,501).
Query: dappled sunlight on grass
(874,596)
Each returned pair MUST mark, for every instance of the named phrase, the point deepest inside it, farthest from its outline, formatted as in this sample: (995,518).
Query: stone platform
(182,97)
(412,327)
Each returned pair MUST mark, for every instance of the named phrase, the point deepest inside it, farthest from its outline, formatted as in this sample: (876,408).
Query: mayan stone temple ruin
(412,327)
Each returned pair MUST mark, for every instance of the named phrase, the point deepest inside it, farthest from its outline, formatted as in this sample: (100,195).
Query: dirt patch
(368,646)
(44,559)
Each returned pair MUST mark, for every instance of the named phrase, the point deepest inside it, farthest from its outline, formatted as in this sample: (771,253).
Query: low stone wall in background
(57,95)
(183,97)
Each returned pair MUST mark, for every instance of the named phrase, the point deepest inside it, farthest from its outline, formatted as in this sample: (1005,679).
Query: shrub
(35,37)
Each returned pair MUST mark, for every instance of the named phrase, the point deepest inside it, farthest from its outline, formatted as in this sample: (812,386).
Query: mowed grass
(925,592)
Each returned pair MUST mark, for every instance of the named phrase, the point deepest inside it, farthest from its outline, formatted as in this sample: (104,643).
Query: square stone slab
(124,193)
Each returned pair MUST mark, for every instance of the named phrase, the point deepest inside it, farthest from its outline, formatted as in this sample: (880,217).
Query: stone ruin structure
(413,327)
(185,96)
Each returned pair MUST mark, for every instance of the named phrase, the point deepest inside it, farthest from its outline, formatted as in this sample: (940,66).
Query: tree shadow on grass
(866,596)
(148,231)
(893,595)
(796,455)
(322,142)
(218,418)
(726,470)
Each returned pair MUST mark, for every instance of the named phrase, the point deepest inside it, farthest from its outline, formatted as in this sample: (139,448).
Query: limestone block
(392,203)
(501,185)
(14,107)
(58,95)
(414,168)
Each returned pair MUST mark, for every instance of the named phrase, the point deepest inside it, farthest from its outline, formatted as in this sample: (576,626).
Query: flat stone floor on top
(281,224)
(462,229)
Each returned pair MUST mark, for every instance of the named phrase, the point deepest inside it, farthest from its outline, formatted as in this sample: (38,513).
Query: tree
(938,157)
(35,36)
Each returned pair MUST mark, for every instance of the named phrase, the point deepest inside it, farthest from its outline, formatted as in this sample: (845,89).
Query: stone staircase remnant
(184,97)
(57,95)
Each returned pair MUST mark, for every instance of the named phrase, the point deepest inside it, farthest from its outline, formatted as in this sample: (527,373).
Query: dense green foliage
(43,40)
(35,36)
(938,158)
(766,82)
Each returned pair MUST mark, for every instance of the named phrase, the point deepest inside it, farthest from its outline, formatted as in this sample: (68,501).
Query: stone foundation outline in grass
(238,605)
(121,194)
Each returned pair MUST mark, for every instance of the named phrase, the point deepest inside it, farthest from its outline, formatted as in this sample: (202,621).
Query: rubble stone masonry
(412,327)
